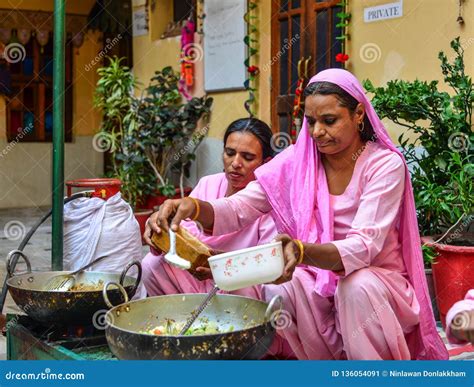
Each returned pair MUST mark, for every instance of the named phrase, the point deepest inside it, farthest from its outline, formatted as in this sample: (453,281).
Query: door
(303,33)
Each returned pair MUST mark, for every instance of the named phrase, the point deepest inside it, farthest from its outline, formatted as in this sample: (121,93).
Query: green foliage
(442,173)
(150,137)
(114,96)
(169,134)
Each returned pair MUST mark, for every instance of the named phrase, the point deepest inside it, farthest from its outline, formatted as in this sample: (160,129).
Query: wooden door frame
(306,46)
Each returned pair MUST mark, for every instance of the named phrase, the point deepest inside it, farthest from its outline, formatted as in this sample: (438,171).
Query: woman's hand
(204,273)
(177,209)
(291,254)
(148,231)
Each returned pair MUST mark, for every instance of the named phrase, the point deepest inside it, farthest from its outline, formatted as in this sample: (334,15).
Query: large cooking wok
(65,307)
(253,324)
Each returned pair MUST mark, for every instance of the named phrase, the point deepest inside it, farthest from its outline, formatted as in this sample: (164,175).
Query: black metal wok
(252,321)
(65,307)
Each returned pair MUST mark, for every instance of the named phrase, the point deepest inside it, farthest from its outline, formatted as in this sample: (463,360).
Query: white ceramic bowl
(247,267)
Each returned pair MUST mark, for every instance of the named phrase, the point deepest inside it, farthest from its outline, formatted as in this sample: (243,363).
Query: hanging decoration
(77,41)
(5,35)
(460,19)
(296,115)
(344,19)
(189,55)
(42,36)
(23,22)
(251,42)
(23,35)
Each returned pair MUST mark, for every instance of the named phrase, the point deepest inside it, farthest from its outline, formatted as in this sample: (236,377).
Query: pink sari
(295,182)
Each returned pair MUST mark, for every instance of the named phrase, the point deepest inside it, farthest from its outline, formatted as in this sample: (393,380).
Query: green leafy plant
(169,129)
(148,137)
(441,154)
(114,96)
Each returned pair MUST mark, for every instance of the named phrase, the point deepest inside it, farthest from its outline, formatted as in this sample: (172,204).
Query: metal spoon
(196,312)
(174,259)
(64,282)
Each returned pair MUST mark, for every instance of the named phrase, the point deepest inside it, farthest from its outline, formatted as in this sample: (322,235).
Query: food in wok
(201,327)
(87,287)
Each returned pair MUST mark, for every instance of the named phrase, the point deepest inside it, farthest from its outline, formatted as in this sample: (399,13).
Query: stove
(30,340)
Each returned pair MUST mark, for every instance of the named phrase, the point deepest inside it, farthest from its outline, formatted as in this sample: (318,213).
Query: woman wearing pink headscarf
(353,284)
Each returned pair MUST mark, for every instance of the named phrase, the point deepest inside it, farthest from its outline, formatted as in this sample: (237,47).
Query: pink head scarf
(296,187)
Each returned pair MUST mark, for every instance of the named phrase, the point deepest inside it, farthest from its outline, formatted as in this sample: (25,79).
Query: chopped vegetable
(172,328)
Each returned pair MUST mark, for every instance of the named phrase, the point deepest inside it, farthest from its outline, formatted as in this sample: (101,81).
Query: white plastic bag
(94,228)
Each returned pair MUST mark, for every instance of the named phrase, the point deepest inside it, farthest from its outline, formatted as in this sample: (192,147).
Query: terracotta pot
(453,274)
(141,216)
(153,201)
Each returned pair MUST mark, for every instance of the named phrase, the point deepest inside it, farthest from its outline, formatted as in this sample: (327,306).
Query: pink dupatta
(296,187)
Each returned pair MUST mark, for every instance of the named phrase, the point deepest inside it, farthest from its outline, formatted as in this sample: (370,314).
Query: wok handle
(12,262)
(139,276)
(106,296)
(270,312)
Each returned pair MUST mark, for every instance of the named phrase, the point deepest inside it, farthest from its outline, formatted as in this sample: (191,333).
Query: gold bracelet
(198,208)
(301,247)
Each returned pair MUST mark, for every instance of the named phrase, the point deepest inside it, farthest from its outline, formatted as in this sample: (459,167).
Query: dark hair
(258,128)
(345,99)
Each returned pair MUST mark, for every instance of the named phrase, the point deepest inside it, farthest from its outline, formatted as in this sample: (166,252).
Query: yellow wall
(150,53)
(405,48)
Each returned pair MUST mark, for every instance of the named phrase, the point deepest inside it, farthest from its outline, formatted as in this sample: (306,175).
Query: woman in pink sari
(247,145)
(353,284)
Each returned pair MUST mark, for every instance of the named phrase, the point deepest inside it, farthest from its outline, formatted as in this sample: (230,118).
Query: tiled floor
(39,252)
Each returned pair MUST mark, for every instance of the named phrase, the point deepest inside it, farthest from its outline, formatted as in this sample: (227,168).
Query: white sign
(383,12)
(140,25)
(224,47)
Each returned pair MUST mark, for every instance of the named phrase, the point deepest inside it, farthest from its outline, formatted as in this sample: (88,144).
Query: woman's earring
(361,126)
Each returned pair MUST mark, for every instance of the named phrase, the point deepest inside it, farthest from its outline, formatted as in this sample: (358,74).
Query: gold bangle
(301,247)
(198,208)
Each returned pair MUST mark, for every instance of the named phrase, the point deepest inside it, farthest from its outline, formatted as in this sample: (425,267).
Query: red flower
(254,70)
(341,57)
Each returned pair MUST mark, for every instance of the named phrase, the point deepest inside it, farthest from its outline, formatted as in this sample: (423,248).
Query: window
(31,102)
(183,9)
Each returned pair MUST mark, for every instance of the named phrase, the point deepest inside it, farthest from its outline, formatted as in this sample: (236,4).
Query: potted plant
(170,132)
(440,158)
(114,96)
